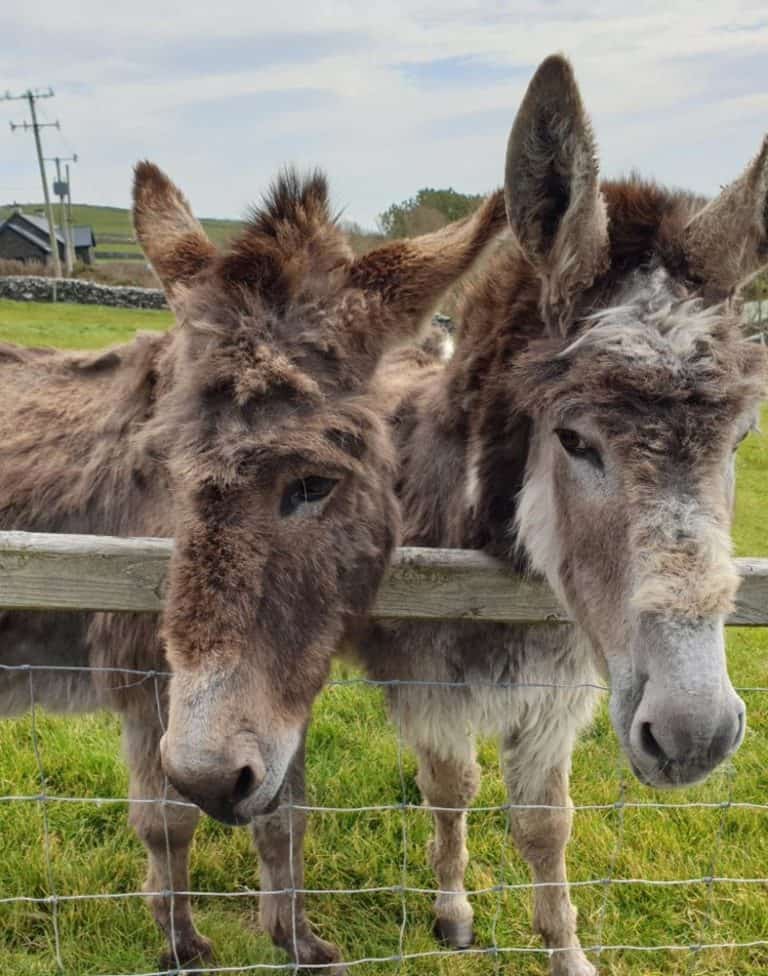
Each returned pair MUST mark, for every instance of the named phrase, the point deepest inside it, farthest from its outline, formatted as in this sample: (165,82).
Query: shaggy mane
(291,199)
(628,358)
(645,220)
(290,244)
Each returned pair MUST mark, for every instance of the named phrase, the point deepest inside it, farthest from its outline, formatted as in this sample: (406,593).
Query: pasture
(74,326)
(354,760)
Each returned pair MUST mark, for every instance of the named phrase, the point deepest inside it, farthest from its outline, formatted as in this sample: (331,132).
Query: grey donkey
(584,430)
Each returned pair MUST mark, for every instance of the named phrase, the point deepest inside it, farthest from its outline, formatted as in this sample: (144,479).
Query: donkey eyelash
(575,445)
(308,490)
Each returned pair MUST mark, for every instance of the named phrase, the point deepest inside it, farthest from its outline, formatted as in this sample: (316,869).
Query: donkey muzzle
(220,783)
(233,785)
(688,718)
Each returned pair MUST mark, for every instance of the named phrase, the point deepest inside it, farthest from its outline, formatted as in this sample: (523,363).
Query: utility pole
(70,231)
(61,189)
(31,96)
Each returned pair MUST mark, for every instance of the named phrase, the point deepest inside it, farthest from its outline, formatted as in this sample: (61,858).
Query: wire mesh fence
(401,806)
(404,886)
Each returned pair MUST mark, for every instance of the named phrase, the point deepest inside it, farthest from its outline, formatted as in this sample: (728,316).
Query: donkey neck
(462,443)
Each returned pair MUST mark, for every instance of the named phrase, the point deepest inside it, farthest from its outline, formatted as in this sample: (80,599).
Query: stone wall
(23,288)
(35,289)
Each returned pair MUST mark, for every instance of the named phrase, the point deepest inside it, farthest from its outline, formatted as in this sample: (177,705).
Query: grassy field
(353,760)
(74,326)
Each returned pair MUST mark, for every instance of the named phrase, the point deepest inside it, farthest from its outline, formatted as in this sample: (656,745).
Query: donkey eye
(575,445)
(572,442)
(304,492)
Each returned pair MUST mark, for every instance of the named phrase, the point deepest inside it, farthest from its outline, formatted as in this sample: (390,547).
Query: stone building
(25,237)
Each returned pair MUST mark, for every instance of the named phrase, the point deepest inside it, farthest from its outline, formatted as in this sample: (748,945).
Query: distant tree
(360,238)
(429,210)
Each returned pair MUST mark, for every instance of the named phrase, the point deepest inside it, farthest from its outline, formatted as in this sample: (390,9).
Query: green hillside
(112,226)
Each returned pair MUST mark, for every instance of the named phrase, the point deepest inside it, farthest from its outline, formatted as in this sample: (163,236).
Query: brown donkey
(585,430)
(249,434)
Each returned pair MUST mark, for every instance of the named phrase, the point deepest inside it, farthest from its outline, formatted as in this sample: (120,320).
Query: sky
(387,97)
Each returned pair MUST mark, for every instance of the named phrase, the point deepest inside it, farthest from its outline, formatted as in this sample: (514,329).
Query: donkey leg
(279,839)
(166,831)
(450,783)
(541,836)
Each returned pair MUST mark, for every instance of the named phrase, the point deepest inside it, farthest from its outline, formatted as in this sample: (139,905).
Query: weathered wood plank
(752,598)
(449,584)
(77,572)
(66,572)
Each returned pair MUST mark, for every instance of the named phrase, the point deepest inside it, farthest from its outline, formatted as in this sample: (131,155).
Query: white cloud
(177,83)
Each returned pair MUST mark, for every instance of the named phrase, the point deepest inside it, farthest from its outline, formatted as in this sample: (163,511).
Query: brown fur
(174,241)
(199,434)
(726,241)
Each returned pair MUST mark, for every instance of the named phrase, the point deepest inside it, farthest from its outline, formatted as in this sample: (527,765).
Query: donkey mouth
(239,814)
(672,775)
(242,813)
(237,811)
(227,815)
(270,807)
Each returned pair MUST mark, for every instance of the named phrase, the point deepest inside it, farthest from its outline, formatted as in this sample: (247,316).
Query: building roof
(28,235)
(83,236)
(40,224)
(35,229)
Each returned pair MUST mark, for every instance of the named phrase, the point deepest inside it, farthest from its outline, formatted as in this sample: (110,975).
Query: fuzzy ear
(171,237)
(551,186)
(409,276)
(727,242)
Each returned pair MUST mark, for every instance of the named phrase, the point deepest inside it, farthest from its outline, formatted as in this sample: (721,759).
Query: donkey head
(636,386)
(280,470)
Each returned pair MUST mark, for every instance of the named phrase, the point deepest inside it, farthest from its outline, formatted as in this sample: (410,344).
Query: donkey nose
(215,785)
(683,745)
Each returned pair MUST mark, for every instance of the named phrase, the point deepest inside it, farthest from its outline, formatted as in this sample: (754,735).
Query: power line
(31,96)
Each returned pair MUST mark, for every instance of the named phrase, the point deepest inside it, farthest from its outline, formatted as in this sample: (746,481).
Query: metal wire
(499,887)
(52,899)
(403,835)
(44,800)
(171,894)
(209,970)
(351,682)
(416,807)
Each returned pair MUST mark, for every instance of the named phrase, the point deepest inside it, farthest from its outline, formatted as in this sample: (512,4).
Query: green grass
(74,326)
(353,760)
(114,224)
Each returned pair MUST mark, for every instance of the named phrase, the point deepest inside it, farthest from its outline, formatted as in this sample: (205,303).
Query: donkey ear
(551,185)
(171,237)
(727,241)
(409,276)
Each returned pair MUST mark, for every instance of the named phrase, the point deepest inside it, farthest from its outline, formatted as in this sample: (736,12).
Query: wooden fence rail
(83,572)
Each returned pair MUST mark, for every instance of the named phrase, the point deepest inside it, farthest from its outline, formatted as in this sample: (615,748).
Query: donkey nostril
(243,785)
(649,743)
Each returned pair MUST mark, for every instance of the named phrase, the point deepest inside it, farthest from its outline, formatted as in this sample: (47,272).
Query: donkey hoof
(572,964)
(191,953)
(456,934)
(310,950)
